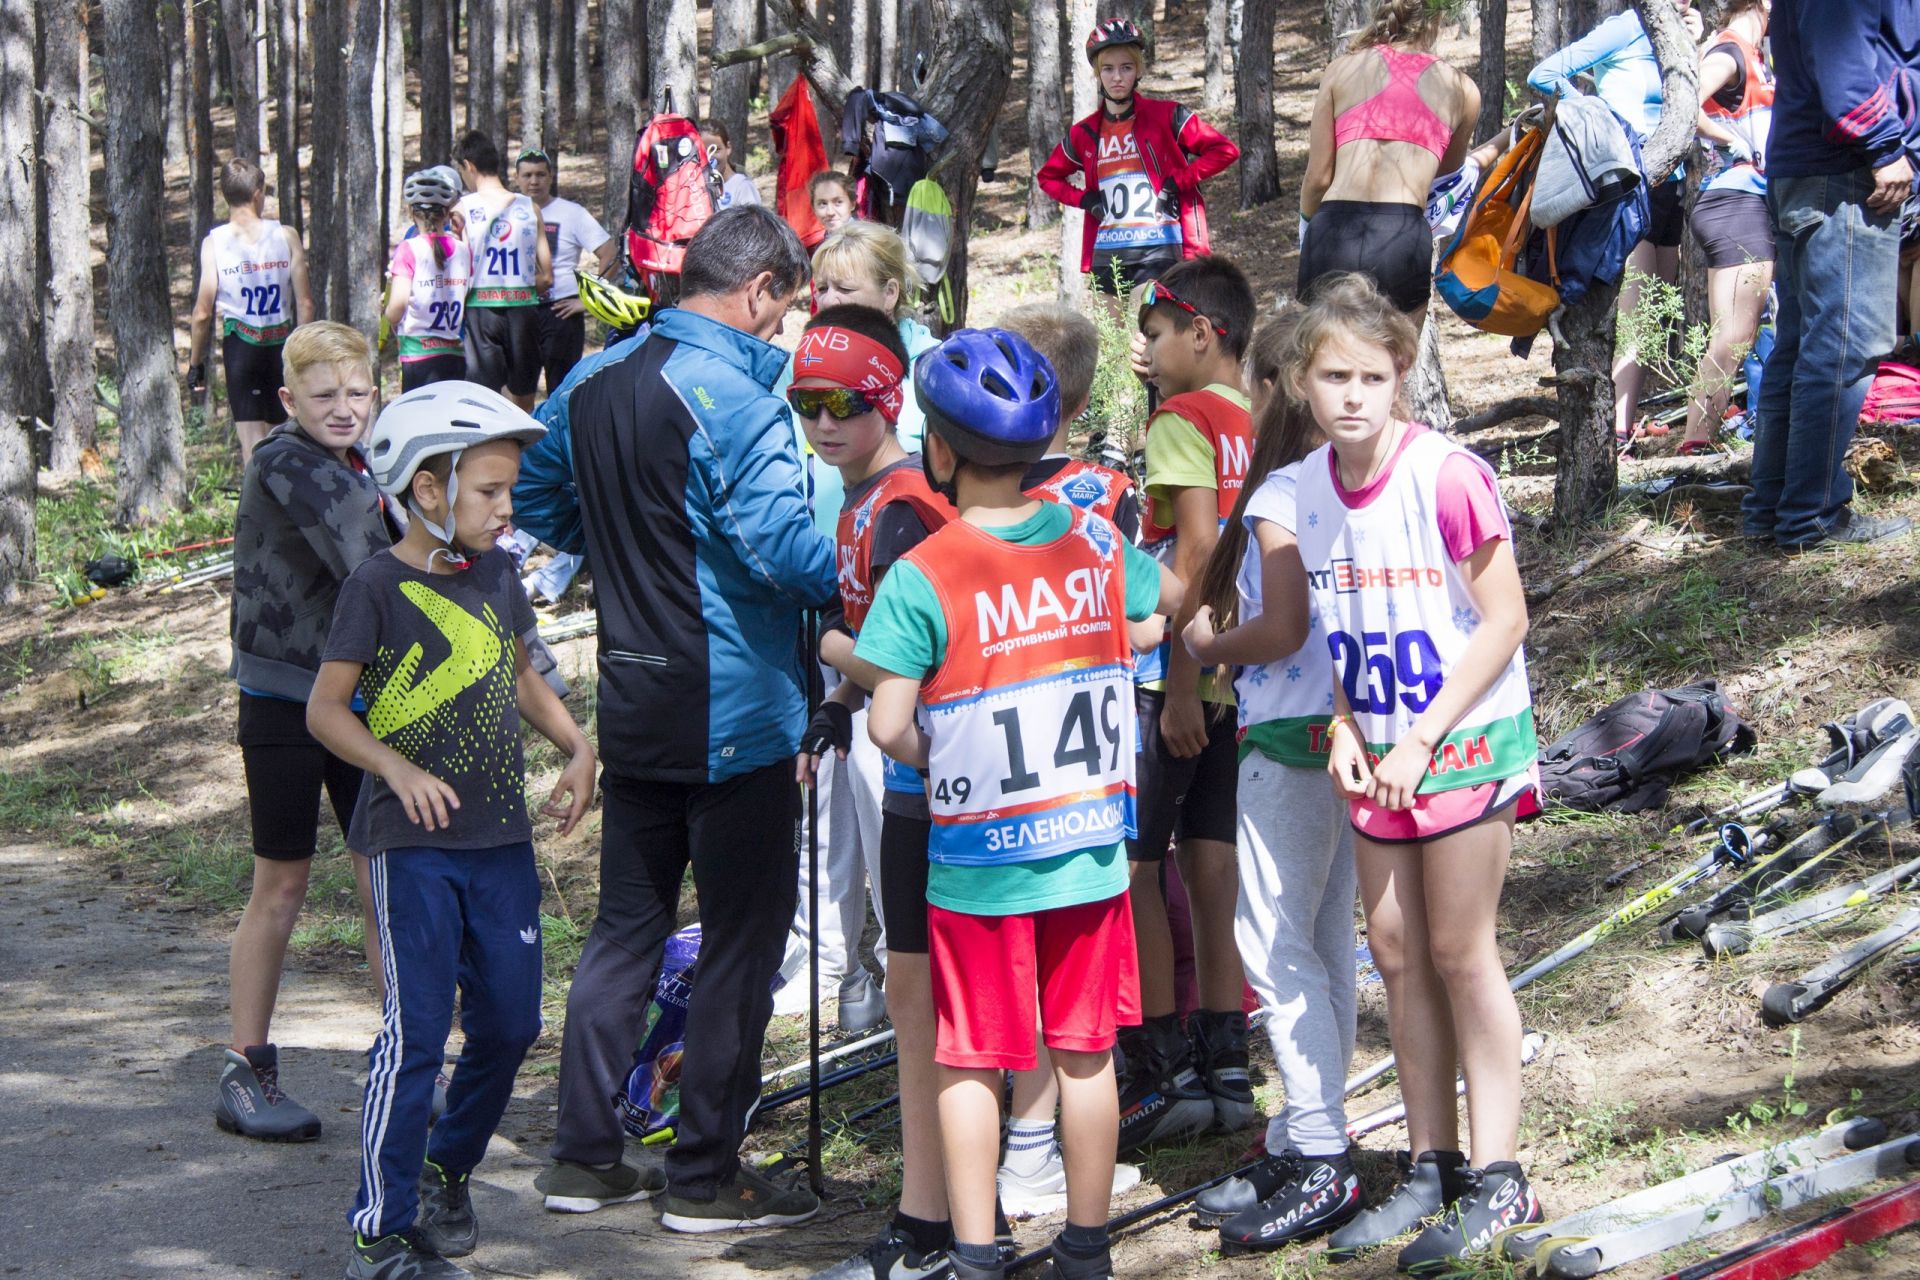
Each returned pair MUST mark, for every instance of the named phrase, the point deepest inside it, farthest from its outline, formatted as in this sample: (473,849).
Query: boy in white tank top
(512,267)
(253,279)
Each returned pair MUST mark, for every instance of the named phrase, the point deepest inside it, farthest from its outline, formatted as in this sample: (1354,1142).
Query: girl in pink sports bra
(1376,147)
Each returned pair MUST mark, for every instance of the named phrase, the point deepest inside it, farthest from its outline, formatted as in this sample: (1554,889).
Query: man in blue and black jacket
(1840,162)
(705,561)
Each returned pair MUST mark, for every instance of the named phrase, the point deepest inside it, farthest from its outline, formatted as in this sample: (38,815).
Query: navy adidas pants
(449,919)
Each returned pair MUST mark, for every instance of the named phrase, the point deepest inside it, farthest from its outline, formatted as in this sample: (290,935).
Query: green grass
(40,800)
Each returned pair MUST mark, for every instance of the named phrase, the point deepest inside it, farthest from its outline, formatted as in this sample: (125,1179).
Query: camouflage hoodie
(306,520)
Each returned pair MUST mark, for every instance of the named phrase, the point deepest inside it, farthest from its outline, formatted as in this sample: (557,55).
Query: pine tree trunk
(1213,85)
(859,22)
(1548,33)
(66,143)
(886,67)
(259,39)
(436,84)
(1046,102)
(236,21)
(480,67)
(20,357)
(1492,76)
(582,76)
(671,52)
(326,239)
(532,101)
(363,240)
(1344,20)
(286,117)
(153,473)
(173,29)
(559,75)
(732,28)
(200,122)
(1427,384)
(497,123)
(393,152)
(1253,103)
(1081,15)
(620,67)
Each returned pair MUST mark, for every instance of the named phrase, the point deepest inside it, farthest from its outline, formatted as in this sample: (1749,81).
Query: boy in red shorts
(1004,635)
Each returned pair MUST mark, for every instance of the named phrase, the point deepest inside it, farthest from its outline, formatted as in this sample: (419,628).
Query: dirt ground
(123,862)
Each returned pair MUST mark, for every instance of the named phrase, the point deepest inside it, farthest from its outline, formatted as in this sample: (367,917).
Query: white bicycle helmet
(441,418)
(438,186)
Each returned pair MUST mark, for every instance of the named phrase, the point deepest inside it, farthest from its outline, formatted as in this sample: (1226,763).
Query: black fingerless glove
(831,729)
(1095,204)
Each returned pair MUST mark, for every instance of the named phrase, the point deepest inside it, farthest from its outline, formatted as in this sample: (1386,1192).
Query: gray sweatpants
(1294,926)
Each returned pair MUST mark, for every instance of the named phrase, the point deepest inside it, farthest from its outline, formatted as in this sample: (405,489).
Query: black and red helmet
(1111,34)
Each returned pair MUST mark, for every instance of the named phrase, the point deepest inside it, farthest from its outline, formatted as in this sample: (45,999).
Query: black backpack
(1626,757)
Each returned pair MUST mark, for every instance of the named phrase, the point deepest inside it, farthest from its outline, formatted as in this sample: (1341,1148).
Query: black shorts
(428,370)
(1118,273)
(1733,228)
(1669,216)
(1391,243)
(253,380)
(286,769)
(903,881)
(1196,798)
(503,348)
(563,340)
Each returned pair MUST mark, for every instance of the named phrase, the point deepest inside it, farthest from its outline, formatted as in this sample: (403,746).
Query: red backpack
(671,195)
(1894,395)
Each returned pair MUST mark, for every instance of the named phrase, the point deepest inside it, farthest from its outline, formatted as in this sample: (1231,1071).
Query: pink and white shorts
(1441,813)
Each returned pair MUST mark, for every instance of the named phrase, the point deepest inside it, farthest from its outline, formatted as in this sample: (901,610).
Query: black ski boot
(1323,1194)
(1494,1199)
(1220,1059)
(1427,1186)
(1237,1195)
(1068,1266)
(1161,1099)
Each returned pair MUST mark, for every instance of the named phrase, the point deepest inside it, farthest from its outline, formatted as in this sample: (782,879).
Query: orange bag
(1476,275)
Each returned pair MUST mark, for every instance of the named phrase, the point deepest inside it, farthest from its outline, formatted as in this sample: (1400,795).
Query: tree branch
(1507,411)
(791,42)
(1679,88)
(68,104)
(822,69)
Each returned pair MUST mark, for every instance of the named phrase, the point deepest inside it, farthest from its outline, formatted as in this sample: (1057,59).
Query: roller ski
(1714,1199)
(1794,863)
(1785,1003)
(1805,1245)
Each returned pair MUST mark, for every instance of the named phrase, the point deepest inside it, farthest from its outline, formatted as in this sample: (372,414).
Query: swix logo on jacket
(1086,485)
(1030,715)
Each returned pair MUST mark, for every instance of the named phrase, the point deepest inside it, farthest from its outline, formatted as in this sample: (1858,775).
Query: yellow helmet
(611,306)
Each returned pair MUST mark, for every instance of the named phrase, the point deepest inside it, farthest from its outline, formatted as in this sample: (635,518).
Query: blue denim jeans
(1837,271)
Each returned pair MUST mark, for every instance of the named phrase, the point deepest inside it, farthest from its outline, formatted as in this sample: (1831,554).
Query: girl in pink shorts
(1410,571)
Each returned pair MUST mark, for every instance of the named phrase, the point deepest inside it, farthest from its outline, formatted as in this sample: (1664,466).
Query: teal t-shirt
(906,633)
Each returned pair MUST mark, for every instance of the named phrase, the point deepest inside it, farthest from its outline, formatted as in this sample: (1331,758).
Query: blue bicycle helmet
(990,395)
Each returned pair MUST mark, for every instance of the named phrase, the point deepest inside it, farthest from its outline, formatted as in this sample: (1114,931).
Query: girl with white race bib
(1408,556)
(1293,921)
(427,289)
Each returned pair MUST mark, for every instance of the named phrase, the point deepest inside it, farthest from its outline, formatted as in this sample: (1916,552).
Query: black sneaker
(1220,1059)
(891,1257)
(446,1224)
(253,1105)
(583,1188)
(1239,1194)
(1161,1098)
(1322,1194)
(1494,1199)
(1068,1266)
(750,1200)
(1427,1186)
(399,1257)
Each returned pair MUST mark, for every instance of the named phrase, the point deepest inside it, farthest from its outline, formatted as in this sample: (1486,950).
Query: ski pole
(1733,848)
(1530,1045)
(1736,937)
(1690,921)
(815,1177)
(838,1051)
(793,1093)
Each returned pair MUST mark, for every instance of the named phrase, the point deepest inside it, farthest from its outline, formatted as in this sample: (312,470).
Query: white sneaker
(1046,1191)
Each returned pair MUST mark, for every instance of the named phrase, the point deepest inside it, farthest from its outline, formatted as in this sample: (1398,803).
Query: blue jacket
(1620,58)
(1847,77)
(703,556)
(545,503)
